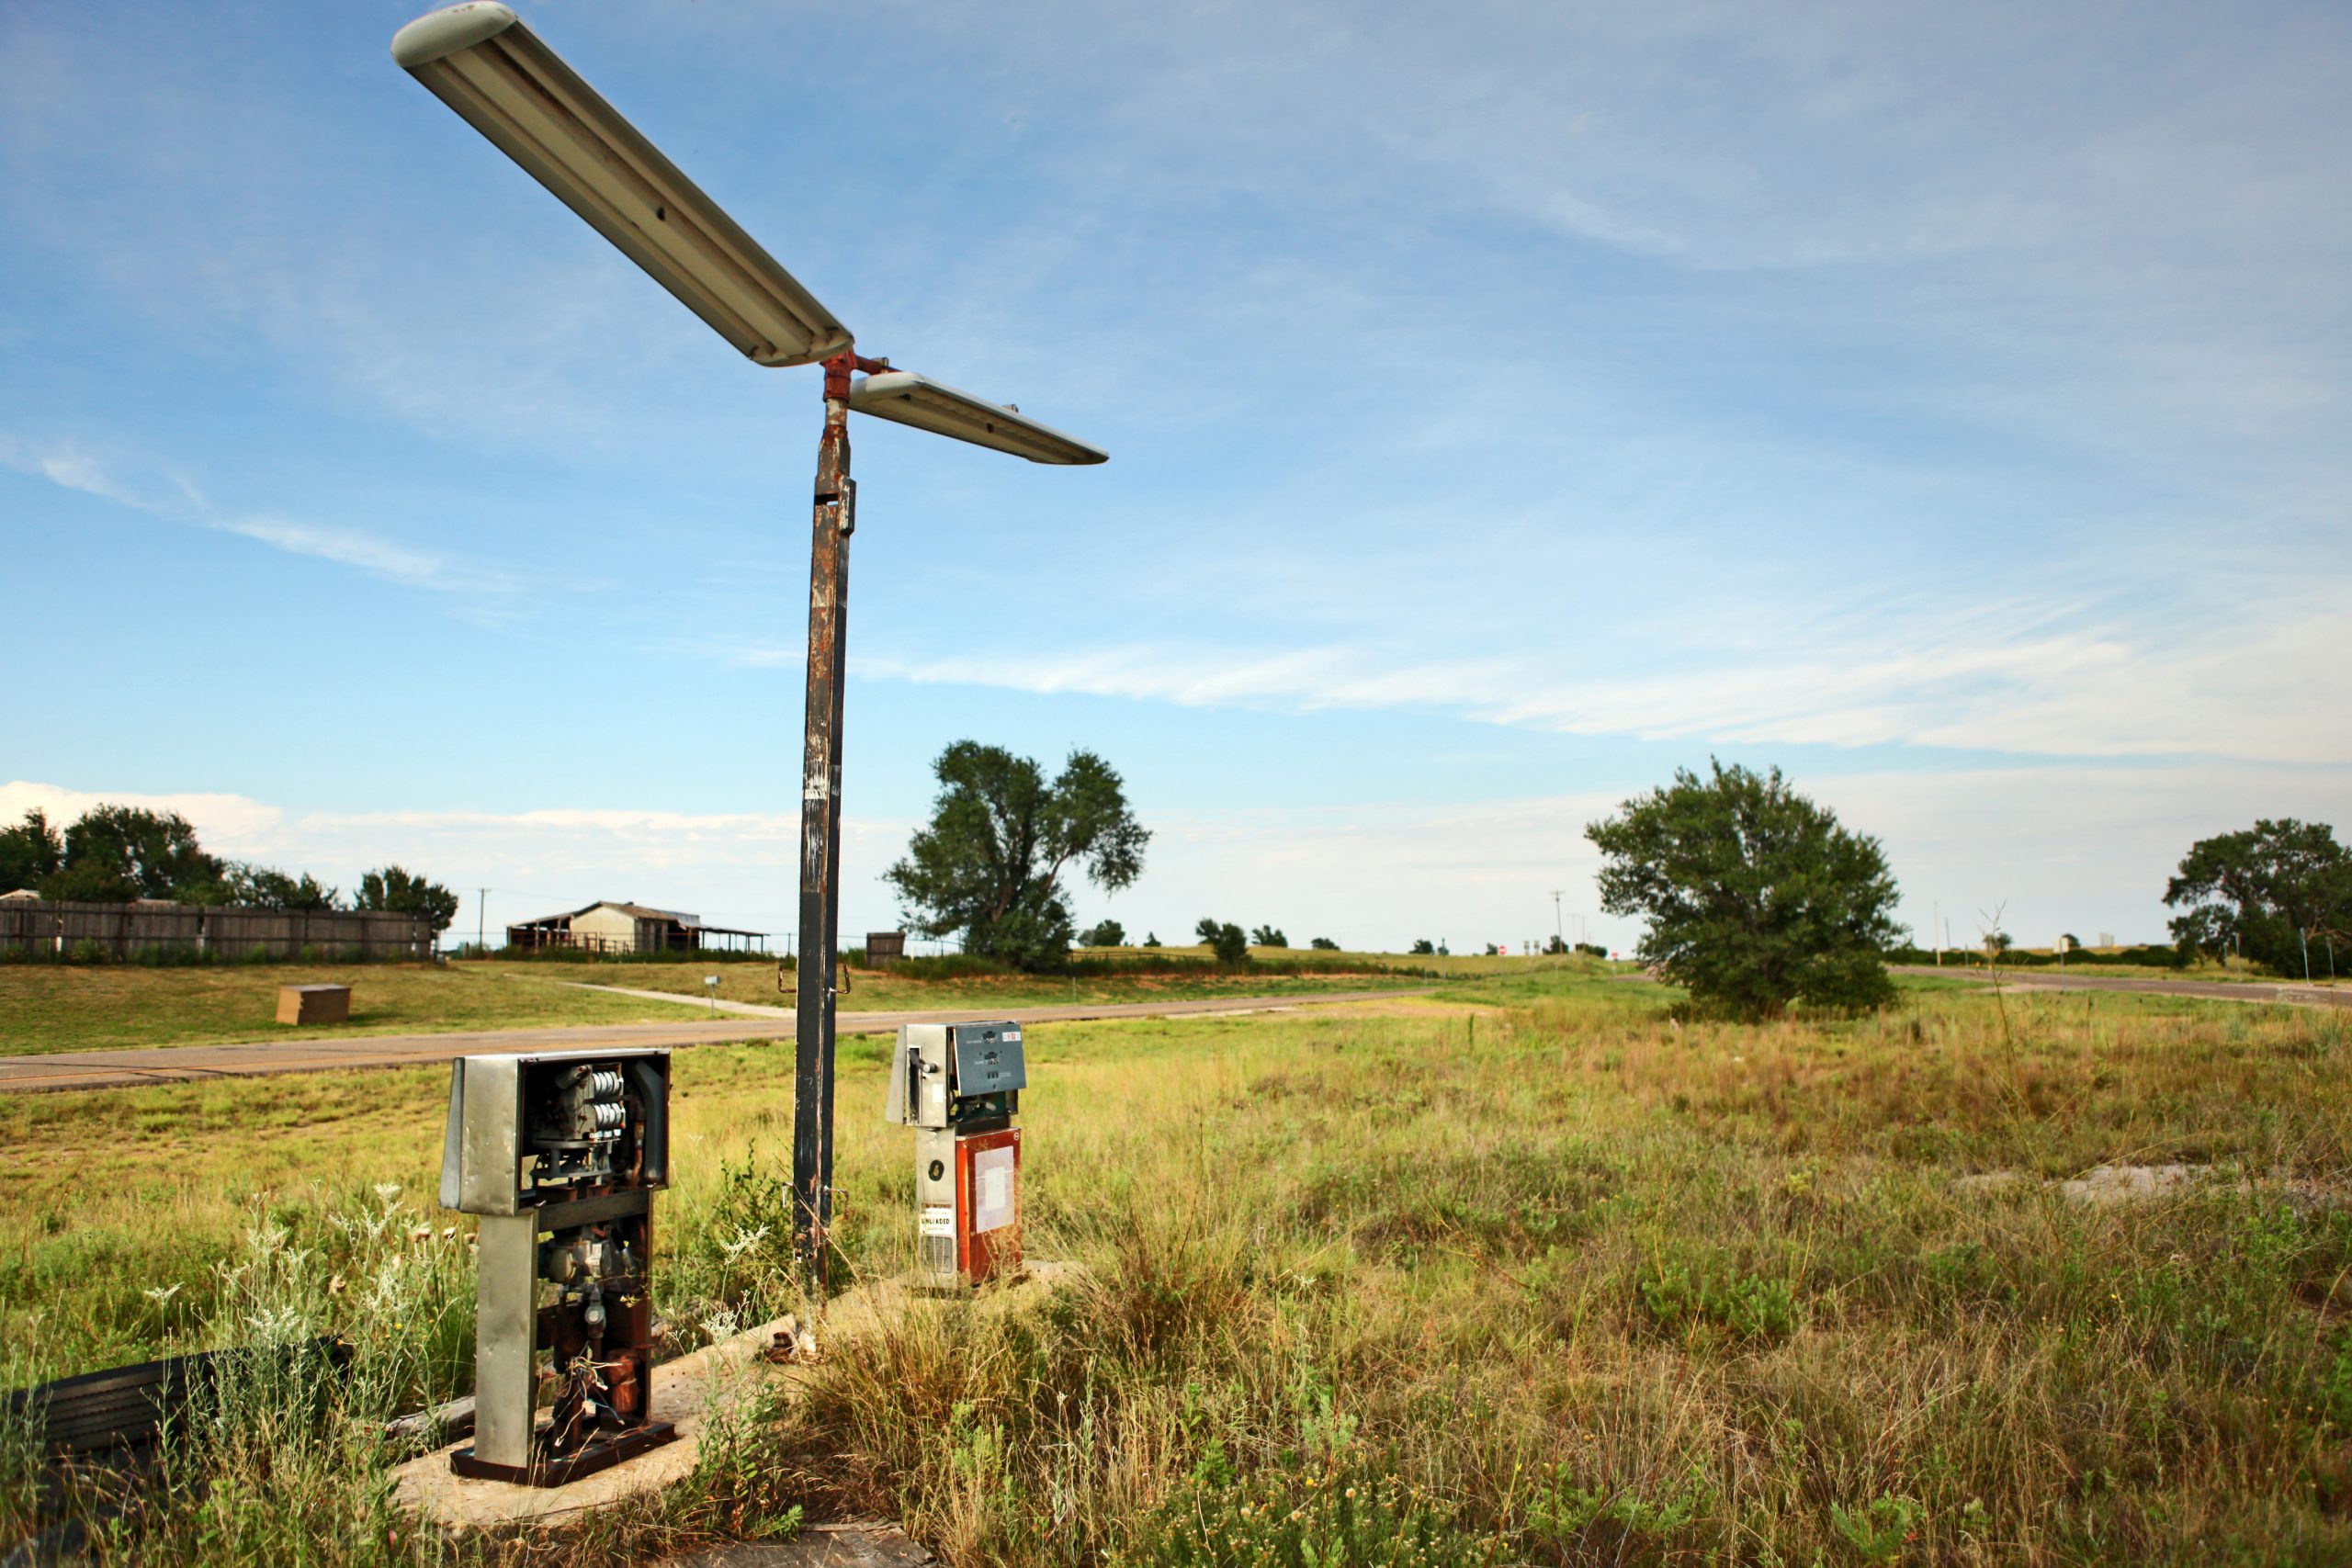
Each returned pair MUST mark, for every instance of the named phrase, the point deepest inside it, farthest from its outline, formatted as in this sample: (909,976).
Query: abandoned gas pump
(559,1155)
(958,1085)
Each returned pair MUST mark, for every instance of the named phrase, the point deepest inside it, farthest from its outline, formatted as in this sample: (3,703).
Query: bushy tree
(120,852)
(1225,939)
(1152,939)
(266,887)
(990,864)
(1553,946)
(1269,936)
(1324,944)
(30,852)
(1104,934)
(1755,897)
(1423,945)
(2266,890)
(405,893)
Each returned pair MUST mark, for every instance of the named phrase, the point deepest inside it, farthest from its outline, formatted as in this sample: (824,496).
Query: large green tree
(1755,897)
(119,853)
(1001,835)
(30,852)
(2263,891)
(394,888)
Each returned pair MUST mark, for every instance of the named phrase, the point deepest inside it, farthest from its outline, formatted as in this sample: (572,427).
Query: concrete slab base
(690,1391)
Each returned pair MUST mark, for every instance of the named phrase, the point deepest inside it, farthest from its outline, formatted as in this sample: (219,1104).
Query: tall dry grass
(1553,1278)
(1577,1283)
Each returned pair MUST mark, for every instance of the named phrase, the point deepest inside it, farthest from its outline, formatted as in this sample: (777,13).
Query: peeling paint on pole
(834,520)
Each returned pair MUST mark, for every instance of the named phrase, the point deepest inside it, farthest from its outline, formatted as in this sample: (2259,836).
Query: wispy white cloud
(2059,847)
(228,824)
(2020,679)
(164,492)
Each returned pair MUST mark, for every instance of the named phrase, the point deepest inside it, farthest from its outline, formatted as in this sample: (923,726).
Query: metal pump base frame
(601,1454)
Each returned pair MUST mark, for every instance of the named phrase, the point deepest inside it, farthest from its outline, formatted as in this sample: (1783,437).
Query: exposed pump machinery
(958,1085)
(559,1155)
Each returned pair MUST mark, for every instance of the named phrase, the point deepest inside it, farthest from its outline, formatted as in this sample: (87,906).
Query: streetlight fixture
(480,60)
(918,400)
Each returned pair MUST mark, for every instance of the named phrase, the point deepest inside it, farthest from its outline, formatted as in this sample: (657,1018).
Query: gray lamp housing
(480,60)
(906,398)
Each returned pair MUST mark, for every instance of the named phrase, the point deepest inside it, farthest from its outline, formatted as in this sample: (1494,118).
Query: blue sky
(1508,405)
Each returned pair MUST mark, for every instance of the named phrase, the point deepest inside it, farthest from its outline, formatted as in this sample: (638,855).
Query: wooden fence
(37,927)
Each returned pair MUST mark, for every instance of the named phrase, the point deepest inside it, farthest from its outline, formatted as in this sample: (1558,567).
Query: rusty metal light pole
(820,829)
(480,60)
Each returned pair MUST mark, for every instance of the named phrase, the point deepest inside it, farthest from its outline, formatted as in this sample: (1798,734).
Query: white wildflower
(744,1241)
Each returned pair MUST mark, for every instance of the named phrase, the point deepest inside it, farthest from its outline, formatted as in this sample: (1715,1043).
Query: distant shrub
(89,950)
(1324,944)
(2148,955)
(949,966)
(1225,940)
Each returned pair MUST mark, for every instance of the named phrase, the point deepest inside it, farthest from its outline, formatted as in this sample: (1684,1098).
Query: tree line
(1753,898)
(116,854)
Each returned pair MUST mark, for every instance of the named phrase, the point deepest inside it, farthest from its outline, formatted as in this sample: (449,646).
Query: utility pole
(1936,932)
(1559,933)
(482,921)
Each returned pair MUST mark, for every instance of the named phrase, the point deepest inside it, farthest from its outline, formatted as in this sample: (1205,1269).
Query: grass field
(48,1008)
(1530,1273)
(892,990)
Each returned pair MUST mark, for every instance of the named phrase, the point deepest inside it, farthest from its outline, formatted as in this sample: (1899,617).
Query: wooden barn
(623,928)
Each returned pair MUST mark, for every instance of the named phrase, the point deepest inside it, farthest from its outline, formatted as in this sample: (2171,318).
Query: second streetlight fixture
(483,63)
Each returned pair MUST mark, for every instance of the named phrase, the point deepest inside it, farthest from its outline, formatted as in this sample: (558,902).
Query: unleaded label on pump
(939,1219)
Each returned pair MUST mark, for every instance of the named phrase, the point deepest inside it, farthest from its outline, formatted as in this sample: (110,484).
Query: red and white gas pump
(958,1085)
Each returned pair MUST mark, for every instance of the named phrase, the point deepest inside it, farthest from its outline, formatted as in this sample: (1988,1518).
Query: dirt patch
(2104,1185)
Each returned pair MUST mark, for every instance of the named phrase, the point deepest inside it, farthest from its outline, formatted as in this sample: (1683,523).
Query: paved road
(2223,990)
(185,1064)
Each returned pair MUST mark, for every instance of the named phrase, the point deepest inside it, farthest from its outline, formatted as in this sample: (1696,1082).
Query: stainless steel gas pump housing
(559,1155)
(958,1085)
